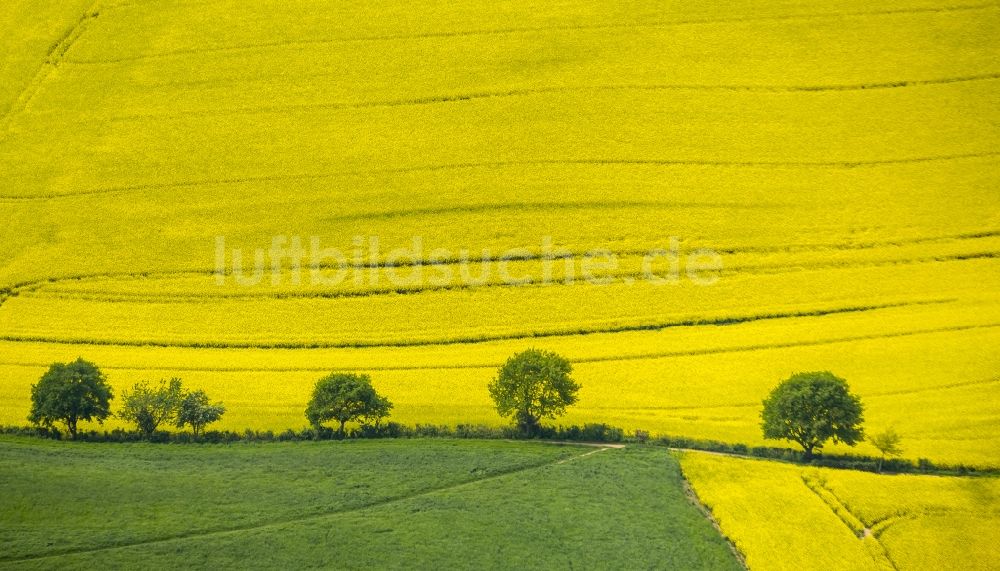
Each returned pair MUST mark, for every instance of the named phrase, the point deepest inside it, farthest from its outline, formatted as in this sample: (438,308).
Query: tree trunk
(71,426)
(880,460)
(808,452)
(341,432)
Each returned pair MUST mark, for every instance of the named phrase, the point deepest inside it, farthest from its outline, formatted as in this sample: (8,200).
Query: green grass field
(842,159)
(353,505)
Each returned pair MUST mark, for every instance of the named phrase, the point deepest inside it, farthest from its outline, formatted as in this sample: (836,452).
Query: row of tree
(78,391)
(808,408)
(529,387)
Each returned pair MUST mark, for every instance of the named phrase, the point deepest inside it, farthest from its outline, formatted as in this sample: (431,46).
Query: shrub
(148,407)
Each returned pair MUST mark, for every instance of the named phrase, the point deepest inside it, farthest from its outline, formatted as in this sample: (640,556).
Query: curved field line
(879,527)
(512,164)
(532,206)
(568,331)
(755,404)
(936,388)
(28,285)
(538,29)
(298,519)
(872,244)
(621,277)
(787,268)
(600,359)
(527,92)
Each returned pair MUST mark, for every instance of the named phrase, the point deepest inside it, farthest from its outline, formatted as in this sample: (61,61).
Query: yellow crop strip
(869,521)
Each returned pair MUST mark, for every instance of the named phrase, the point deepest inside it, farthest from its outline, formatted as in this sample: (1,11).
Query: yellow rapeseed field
(841,160)
(783,516)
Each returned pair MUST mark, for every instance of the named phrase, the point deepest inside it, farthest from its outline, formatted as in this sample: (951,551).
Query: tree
(346,397)
(196,411)
(811,408)
(378,410)
(148,407)
(887,442)
(69,393)
(533,385)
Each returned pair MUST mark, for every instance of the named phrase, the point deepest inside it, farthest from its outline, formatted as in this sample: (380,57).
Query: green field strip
(513,471)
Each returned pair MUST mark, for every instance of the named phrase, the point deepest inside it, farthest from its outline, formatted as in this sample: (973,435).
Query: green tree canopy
(887,442)
(196,411)
(811,408)
(148,407)
(533,385)
(69,393)
(346,397)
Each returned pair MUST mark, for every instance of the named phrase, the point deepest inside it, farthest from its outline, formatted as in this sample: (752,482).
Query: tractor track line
(540,29)
(476,339)
(619,278)
(260,179)
(583,360)
(790,249)
(528,92)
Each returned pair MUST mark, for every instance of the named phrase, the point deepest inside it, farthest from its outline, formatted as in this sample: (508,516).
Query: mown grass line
(837,165)
(474,339)
(301,518)
(542,29)
(622,277)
